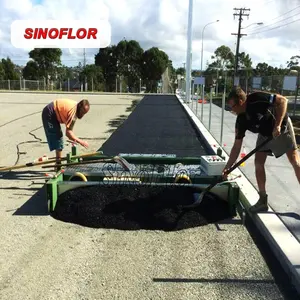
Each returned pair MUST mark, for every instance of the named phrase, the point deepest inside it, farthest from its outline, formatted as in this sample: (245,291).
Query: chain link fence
(287,85)
(69,85)
(281,84)
(41,85)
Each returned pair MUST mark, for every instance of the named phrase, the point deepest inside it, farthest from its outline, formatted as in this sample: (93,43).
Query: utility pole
(84,58)
(84,64)
(184,73)
(241,14)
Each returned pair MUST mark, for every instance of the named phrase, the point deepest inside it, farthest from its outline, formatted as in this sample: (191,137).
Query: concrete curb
(285,245)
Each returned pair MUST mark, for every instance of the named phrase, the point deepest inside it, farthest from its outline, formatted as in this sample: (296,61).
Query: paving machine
(136,170)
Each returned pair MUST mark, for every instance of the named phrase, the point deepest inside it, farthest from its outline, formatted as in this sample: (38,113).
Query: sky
(163,24)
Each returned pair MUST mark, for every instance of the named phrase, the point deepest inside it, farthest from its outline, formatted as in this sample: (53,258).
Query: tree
(64,73)
(293,63)
(129,56)
(172,72)
(223,58)
(221,66)
(180,71)
(31,71)
(94,77)
(154,63)
(245,62)
(2,73)
(9,70)
(106,59)
(48,60)
(261,69)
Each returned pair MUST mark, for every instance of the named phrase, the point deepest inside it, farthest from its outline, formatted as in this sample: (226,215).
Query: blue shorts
(52,128)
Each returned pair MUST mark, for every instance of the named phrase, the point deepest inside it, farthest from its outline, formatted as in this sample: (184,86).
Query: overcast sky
(163,23)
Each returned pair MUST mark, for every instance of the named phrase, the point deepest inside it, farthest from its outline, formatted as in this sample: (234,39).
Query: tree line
(129,63)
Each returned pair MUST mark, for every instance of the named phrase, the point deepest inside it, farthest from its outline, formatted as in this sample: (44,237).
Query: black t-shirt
(259,116)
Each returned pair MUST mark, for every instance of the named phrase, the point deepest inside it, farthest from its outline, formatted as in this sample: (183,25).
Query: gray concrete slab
(282,185)
(42,258)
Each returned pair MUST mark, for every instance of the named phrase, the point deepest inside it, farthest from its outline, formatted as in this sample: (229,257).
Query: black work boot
(261,205)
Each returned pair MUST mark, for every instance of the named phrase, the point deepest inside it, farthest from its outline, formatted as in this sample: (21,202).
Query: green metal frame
(52,185)
(52,190)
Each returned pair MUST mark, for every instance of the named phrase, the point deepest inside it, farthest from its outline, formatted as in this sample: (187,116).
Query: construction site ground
(43,258)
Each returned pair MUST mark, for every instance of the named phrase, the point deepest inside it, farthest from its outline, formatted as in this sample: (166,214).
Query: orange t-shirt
(65,110)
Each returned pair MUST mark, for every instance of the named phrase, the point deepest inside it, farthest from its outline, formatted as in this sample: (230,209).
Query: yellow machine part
(182,178)
(78,177)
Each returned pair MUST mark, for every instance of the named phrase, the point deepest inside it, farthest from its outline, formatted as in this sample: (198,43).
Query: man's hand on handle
(276,131)
(225,174)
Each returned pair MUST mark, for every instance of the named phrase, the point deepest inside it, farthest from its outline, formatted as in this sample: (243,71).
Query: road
(42,258)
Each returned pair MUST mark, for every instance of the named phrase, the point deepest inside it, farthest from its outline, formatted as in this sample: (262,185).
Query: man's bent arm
(280,108)
(235,151)
(70,134)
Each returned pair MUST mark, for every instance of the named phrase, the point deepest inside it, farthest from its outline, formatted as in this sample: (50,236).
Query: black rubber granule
(157,125)
(127,207)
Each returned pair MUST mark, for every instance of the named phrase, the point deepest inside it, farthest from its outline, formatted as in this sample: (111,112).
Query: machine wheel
(78,177)
(183,178)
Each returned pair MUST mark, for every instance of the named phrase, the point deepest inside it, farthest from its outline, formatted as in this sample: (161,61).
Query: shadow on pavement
(35,206)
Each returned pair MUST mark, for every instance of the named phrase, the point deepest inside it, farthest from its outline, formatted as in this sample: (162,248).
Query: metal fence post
(202,102)
(223,109)
(210,108)
(222,119)
(296,94)
(197,87)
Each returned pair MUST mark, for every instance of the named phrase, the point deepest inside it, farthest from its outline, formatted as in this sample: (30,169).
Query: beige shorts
(282,144)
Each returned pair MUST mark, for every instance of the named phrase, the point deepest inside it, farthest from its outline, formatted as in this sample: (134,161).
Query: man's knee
(294,158)
(260,160)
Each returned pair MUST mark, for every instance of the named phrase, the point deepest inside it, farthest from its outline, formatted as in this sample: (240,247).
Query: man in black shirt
(265,114)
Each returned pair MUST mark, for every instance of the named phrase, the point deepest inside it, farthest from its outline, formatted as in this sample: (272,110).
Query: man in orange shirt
(63,111)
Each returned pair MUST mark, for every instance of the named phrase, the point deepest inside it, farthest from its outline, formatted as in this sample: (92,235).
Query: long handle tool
(117,159)
(199,197)
(38,163)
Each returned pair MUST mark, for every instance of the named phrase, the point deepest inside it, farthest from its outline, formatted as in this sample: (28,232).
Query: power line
(267,2)
(275,27)
(267,25)
(285,13)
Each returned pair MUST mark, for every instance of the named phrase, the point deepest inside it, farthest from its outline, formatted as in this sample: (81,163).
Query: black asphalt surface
(158,125)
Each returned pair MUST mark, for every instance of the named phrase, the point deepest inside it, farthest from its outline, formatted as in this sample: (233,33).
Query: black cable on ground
(19,153)
(38,112)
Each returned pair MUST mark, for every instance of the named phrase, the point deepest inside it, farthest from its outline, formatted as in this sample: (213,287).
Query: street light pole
(202,42)
(202,66)
(258,23)
(188,54)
